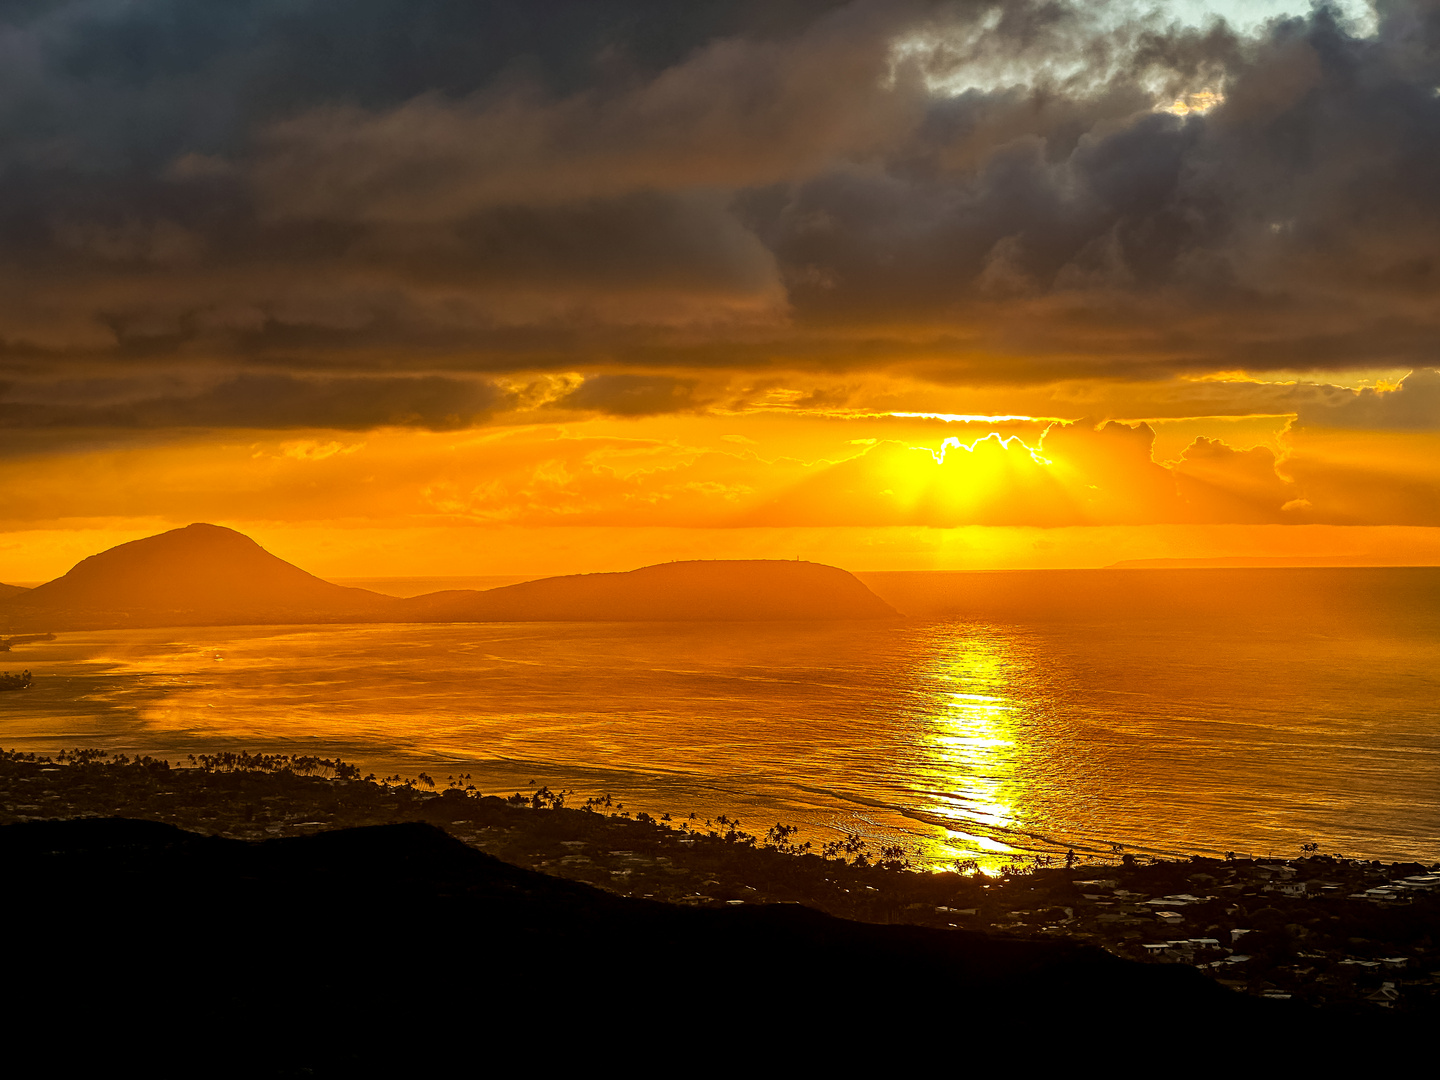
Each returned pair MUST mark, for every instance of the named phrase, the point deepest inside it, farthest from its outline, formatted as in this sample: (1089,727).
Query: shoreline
(1349,936)
(1247,787)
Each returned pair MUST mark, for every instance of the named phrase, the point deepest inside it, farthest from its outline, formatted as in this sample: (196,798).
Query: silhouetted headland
(720,590)
(198,575)
(205,575)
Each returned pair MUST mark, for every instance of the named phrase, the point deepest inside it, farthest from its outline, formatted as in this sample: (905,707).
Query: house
(1285,888)
(1385,894)
(1386,996)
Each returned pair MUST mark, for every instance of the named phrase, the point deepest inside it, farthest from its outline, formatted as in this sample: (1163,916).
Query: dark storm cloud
(1414,405)
(984,192)
(259,401)
(633,395)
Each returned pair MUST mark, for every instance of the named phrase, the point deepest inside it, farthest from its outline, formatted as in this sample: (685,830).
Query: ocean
(1004,719)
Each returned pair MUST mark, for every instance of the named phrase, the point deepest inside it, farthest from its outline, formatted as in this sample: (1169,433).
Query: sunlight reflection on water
(962,740)
(972,740)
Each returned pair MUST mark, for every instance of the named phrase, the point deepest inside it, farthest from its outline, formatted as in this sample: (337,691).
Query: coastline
(1074,762)
(1347,937)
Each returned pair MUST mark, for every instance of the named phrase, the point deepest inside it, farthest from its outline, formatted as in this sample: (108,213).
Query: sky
(464,287)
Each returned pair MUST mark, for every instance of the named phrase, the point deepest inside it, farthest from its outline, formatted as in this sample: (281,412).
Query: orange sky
(884,285)
(861,489)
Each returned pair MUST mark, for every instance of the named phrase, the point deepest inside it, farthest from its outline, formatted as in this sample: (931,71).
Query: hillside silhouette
(8,592)
(206,575)
(355,946)
(719,590)
(198,575)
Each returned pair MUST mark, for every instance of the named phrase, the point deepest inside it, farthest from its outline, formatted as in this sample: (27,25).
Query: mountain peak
(209,575)
(201,573)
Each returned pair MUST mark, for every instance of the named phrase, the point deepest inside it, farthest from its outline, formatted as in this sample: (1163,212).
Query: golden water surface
(958,740)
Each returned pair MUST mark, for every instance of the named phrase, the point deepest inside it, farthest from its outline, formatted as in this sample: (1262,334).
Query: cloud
(569,475)
(633,395)
(266,401)
(1413,405)
(981,194)
(734,113)
(1353,493)
(1358,476)
(1218,483)
(1076,474)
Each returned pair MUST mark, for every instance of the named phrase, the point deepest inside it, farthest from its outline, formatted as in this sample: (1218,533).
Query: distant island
(1251,562)
(206,575)
(720,590)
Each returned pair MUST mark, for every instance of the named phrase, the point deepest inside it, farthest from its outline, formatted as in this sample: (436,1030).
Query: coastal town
(1318,930)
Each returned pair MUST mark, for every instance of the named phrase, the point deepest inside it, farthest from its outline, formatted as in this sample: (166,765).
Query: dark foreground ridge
(332,949)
